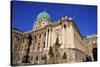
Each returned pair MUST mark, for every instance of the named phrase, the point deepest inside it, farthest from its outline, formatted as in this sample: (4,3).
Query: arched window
(31,57)
(48,30)
(45,34)
(64,26)
(29,37)
(36,57)
(64,55)
(94,52)
(44,45)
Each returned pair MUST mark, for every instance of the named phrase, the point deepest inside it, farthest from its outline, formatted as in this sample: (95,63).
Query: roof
(17,29)
(43,14)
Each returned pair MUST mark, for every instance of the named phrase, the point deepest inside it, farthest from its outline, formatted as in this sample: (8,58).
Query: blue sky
(25,13)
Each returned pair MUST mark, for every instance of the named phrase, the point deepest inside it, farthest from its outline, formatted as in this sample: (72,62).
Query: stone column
(49,38)
(65,37)
(46,41)
(62,37)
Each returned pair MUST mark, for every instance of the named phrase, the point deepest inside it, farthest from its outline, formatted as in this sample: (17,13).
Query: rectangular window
(36,57)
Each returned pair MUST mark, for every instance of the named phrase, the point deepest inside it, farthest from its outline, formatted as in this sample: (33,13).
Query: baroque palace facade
(49,42)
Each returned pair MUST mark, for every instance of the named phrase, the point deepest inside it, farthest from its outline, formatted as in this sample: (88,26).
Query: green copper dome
(43,14)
